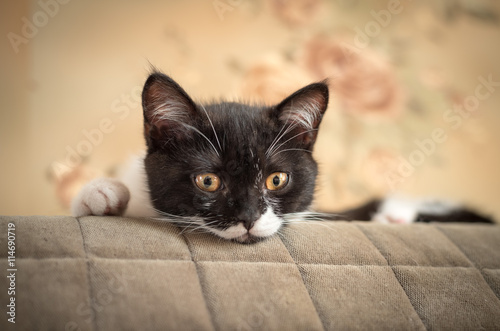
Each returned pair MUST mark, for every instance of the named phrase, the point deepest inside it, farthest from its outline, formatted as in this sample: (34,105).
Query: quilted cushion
(112,273)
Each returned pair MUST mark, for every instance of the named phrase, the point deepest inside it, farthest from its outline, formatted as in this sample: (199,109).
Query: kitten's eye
(208,182)
(276,181)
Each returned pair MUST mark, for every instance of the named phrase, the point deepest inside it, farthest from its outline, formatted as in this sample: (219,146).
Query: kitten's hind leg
(102,196)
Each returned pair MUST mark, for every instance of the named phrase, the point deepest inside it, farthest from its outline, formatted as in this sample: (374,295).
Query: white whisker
(277,148)
(201,133)
(275,138)
(212,125)
(280,135)
(293,149)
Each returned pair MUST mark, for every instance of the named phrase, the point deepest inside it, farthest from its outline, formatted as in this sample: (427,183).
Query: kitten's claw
(102,196)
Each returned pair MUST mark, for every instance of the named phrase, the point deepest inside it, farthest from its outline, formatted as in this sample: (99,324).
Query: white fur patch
(233,232)
(403,210)
(267,225)
(134,177)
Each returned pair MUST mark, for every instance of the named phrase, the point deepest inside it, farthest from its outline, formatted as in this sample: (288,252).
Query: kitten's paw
(102,196)
(391,219)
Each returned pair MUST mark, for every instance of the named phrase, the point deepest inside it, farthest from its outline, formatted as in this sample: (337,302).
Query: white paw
(392,219)
(102,196)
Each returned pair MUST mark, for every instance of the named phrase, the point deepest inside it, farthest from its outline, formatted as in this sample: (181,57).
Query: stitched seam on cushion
(482,274)
(458,247)
(395,276)
(229,261)
(304,284)
(90,288)
(198,273)
(470,260)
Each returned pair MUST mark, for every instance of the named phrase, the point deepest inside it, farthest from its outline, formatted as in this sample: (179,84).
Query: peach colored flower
(296,12)
(362,80)
(67,185)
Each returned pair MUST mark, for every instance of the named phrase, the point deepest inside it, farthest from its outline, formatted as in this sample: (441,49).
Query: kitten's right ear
(168,110)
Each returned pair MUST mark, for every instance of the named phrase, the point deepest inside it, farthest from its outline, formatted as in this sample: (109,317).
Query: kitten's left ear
(304,110)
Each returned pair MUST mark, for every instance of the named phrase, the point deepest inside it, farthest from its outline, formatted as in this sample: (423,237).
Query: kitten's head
(230,168)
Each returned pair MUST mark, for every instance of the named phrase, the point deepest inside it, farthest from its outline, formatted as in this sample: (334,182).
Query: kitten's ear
(168,110)
(303,110)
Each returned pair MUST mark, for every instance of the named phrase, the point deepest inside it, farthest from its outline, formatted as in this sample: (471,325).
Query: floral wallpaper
(413,88)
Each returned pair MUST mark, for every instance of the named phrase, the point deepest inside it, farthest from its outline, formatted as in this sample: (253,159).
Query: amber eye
(276,181)
(208,182)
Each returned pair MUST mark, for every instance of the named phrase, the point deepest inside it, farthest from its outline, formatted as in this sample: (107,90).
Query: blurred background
(415,89)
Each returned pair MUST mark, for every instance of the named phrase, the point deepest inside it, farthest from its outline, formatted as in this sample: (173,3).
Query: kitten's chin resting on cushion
(267,225)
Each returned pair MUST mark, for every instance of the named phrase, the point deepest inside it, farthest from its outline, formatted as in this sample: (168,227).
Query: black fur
(456,216)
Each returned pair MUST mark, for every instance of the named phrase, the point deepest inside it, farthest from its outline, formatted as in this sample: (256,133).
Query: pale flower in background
(363,81)
(68,184)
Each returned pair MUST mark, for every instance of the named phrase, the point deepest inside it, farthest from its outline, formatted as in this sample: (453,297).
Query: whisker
(201,134)
(275,138)
(278,147)
(278,135)
(312,215)
(313,224)
(203,225)
(212,125)
(199,227)
(272,148)
(294,149)
(198,131)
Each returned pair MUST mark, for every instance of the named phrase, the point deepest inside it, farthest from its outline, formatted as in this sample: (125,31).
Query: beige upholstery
(111,273)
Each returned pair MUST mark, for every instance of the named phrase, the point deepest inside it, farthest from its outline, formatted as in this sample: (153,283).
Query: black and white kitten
(230,168)
(235,170)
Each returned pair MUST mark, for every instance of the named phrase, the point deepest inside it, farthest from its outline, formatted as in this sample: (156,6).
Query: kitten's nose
(248,224)
(248,218)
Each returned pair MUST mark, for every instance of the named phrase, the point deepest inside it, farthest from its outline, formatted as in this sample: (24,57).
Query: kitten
(238,171)
(232,169)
